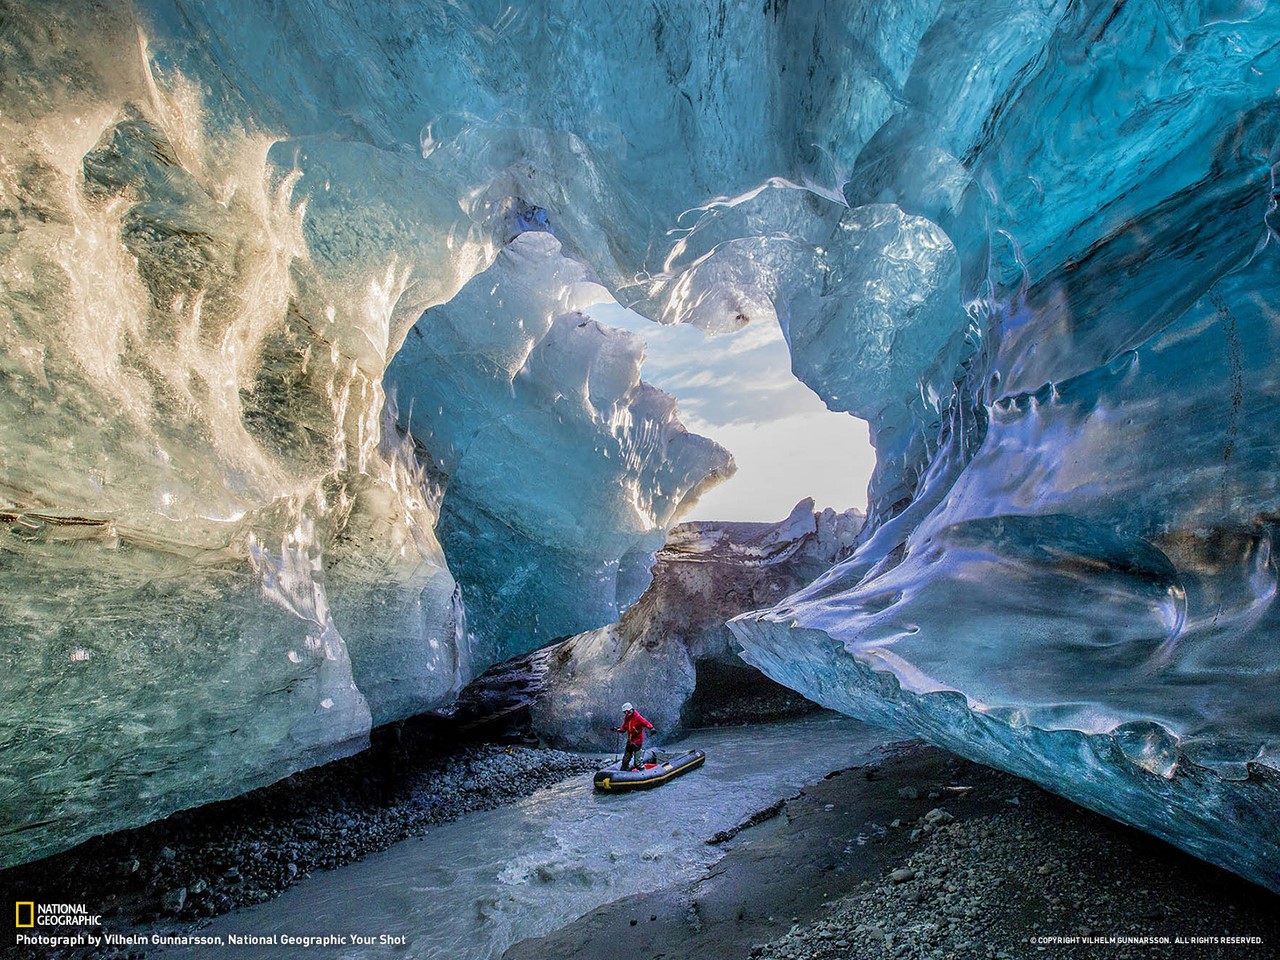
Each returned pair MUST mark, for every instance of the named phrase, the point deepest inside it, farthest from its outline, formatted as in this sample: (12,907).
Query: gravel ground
(921,855)
(1037,878)
(199,863)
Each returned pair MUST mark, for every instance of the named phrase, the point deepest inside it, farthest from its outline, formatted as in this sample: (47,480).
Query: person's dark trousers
(634,750)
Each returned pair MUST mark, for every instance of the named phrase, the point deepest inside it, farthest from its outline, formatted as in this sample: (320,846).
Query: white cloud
(738,389)
(780,462)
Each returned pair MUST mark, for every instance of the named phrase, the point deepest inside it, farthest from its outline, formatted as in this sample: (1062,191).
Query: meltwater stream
(471,888)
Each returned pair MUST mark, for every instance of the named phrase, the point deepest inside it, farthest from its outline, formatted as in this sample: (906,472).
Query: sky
(738,389)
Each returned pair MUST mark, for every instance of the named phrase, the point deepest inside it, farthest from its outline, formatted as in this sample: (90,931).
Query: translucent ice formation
(1032,241)
(563,470)
(1070,570)
(221,560)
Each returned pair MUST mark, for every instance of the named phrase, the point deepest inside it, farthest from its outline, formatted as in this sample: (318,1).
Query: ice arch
(1031,241)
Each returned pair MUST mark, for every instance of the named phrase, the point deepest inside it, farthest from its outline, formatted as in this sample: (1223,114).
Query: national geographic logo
(30,914)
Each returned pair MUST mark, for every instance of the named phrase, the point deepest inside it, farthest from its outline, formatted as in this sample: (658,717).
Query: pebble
(174,900)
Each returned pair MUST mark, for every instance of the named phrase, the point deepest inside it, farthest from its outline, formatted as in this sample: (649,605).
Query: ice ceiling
(1032,243)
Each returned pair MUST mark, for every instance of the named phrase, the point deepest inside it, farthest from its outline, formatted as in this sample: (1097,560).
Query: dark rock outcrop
(671,653)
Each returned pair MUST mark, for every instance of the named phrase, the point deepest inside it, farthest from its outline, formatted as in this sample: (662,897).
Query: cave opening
(737,388)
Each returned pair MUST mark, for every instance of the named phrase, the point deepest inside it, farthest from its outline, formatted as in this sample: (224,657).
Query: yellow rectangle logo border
(17,918)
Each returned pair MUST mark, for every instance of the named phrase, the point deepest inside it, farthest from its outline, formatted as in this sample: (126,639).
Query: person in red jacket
(634,726)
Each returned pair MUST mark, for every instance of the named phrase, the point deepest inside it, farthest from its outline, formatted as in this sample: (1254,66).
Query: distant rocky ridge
(671,653)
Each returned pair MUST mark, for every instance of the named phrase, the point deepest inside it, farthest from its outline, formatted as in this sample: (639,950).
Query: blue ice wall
(1071,571)
(1032,242)
(561,469)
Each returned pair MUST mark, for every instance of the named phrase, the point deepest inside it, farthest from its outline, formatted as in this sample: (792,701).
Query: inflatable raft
(658,769)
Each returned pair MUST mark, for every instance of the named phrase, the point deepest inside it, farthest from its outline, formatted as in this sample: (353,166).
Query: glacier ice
(1069,567)
(1032,241)
(562,469)
(222,559)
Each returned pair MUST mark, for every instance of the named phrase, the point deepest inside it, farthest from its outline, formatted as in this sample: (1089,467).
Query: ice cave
(306,421)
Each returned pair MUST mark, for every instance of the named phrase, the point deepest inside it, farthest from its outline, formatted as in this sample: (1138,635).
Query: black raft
(658,769)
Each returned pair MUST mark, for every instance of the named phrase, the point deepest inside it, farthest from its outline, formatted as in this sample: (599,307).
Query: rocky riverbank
(1038,879)
(199,863)
(918,856)
(928,857)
